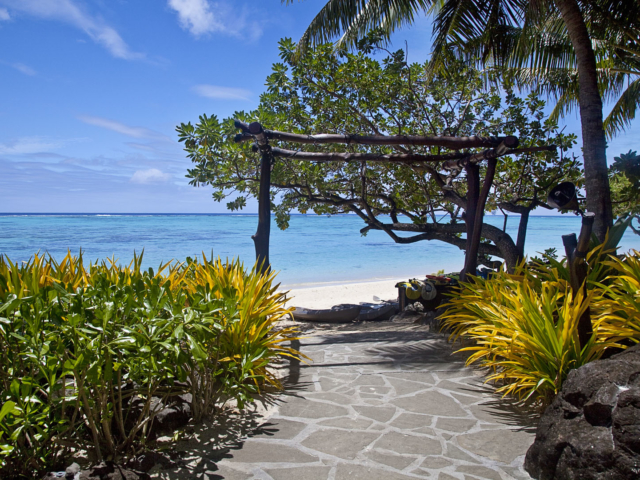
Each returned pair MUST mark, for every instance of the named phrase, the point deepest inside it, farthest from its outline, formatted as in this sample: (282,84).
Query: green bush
(90,356)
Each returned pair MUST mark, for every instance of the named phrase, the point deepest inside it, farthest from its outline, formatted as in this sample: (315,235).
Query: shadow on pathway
(380,402)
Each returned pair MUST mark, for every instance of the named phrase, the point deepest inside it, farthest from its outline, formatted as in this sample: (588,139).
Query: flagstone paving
(381,402)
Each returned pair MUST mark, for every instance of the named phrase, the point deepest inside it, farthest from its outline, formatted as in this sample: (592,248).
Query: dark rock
(147,460)
(72,472)
(591,430)
(111,471)
(102,471)
(172,417)
(175,415)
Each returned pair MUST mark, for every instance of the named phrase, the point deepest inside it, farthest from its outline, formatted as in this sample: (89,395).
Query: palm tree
(499,24)
(545,60)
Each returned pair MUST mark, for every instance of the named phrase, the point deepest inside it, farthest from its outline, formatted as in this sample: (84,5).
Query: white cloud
(68,11)
(4,15)
(135,132)
(21,67)
(199,18)
(27,145)
(153,175)
(196,16)
(222,93)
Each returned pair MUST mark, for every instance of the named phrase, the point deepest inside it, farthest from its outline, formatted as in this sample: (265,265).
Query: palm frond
(624,110)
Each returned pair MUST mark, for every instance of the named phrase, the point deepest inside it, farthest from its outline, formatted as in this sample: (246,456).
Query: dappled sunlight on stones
(383,402)
(280,429)
(264,452)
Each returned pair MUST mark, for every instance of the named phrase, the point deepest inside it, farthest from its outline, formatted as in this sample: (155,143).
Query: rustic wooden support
(450,160)
(476,199)
(472,254)
(473,193)
(428,140)
(576,250)
(261,237)
(359,157)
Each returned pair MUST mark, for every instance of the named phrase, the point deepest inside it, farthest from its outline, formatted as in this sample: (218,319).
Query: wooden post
(473,192)
(576,250)
(261,238)
(473,244)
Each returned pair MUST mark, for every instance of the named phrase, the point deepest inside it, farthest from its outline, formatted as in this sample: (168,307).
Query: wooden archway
(495,147)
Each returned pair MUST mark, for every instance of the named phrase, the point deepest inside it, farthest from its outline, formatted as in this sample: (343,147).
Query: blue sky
(92,91)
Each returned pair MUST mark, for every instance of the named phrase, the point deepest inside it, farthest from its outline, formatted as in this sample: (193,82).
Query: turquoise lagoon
(315,249)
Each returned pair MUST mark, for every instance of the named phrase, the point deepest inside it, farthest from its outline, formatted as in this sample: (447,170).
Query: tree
(351,93)
(545,60)
(495,22)
(624,175)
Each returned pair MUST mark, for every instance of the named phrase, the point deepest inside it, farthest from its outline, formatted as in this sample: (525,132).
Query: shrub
(91,355)
(618,307)
(524,325)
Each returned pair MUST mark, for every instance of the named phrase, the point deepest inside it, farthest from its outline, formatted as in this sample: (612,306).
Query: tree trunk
(261,238)
(504,246)
(593,137)
(522,231)
(473,192)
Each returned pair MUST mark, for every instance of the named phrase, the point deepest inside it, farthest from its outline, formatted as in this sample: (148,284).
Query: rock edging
(592,428)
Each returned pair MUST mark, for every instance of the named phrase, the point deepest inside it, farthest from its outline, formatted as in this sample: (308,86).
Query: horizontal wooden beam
(358,157)
(422,140)
(452,160)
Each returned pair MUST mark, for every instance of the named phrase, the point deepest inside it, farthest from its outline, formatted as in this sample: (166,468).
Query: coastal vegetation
(91,354)
(524,326)
(352,92)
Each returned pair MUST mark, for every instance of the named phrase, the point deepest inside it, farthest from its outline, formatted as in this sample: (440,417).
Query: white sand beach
(326,296)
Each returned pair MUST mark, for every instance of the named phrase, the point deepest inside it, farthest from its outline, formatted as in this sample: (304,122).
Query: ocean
(313,250)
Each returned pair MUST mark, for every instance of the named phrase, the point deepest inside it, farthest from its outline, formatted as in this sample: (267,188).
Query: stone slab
(299,473)
(311,409)
(340,443)
(502,445)
(432,403)
(267,452)
(361,472)
(381,414)
(409,444)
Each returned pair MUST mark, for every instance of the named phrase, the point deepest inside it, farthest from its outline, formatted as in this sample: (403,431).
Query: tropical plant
(497,29)
(91,354)
(523,326)
(353,93)
(618,307)
(546,59)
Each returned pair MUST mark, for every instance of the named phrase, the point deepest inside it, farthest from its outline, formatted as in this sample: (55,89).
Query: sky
(92,91)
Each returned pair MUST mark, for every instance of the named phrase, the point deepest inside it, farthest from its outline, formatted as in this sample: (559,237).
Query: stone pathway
(381,402)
